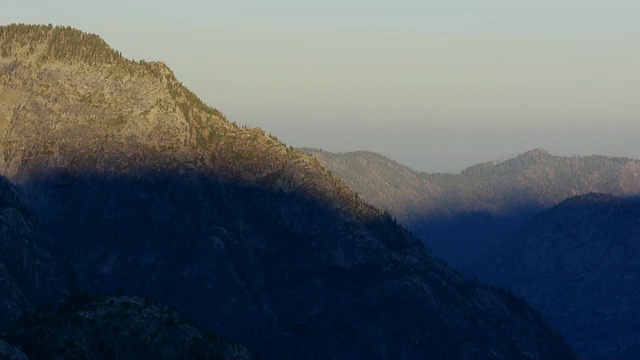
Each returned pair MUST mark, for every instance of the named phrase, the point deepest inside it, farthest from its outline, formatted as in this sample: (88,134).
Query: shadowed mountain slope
(34,277)
(10,352)
(578,263)
(151,192)
(462,216)
(117,327)
(31,271)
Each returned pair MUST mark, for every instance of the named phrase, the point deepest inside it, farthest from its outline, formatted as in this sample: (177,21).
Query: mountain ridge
(190,133)
(151,192)
(460,216)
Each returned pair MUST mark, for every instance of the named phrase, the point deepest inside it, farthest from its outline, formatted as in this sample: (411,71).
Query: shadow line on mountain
(463,237)
(240,258)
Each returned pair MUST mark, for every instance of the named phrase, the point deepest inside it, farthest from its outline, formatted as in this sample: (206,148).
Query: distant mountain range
(142,189)
(578,263)
(461,216)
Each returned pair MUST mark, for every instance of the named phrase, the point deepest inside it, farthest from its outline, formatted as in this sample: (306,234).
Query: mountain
(34,277)
(31,271)
(391,186)
(461,216)
(150,192)
(117,327)
(578,263)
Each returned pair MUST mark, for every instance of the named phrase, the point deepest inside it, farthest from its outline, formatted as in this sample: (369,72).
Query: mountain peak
(139,115)
(140,118)
(538,152)
(145,188)
(48,42)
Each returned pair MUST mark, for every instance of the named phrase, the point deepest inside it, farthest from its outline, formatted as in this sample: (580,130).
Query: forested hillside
(461,216)
(149,192)
(578,264)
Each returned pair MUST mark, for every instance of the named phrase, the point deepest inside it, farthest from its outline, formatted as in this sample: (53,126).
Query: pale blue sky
(435,85)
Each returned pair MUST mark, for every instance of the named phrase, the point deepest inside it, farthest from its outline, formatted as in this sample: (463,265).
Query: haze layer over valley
(575,262)
(461,216)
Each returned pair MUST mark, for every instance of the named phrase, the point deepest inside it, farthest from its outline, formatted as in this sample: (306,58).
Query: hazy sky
(435,85)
